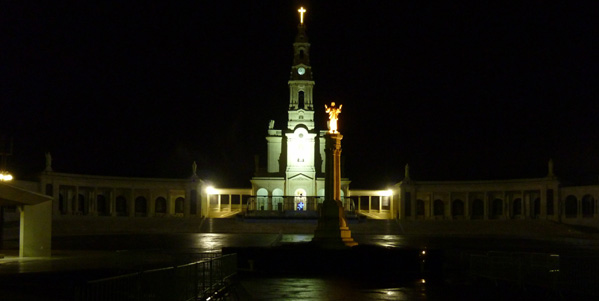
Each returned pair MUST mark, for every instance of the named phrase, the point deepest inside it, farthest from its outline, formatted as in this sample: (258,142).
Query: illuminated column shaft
(332,230)
(333,167)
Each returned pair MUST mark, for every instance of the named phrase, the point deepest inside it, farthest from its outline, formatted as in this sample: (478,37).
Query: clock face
(301,70)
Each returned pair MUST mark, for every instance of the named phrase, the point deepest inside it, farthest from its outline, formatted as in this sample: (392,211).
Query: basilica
(292,183)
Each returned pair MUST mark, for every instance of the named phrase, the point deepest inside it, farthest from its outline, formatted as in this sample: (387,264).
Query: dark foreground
(275,267)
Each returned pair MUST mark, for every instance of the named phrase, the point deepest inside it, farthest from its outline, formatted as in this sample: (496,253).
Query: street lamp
(5,176)
(5,151)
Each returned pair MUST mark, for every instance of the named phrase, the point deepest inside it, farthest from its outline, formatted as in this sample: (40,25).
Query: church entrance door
(299,201)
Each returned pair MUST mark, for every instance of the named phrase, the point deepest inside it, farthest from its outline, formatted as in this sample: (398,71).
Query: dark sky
(458,91)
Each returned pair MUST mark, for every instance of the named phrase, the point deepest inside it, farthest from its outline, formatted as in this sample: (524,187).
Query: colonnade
(129,197)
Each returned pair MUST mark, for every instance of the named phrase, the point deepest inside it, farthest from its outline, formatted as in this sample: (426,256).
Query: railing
(285,203)
(536,269)
(200,279)
(563,274)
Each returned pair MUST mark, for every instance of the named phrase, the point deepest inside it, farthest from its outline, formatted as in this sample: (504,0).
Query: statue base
(332,230)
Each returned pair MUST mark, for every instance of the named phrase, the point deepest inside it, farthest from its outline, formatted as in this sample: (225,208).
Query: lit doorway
(299,200)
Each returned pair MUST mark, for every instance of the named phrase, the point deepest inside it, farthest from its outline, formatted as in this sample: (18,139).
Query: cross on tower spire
(301,11)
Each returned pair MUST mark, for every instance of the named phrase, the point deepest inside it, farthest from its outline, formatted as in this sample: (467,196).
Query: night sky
(458,91)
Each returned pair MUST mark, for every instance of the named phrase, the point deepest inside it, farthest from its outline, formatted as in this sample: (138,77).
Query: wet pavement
(92,257)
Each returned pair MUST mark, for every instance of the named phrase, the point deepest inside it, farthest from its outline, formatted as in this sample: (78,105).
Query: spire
(550,173)
(407,172)
(301,83)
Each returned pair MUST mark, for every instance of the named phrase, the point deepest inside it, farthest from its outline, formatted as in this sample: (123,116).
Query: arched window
(300,99)
(101,205)
(121,206)
(588,206)
(262,199)
(301,54)
(160,206)
(81,204)
(571,206)
(62,206)
(517,206)
(457,208)
(179,205)
(419,207)
(537,207)
(497,208)
(141,206)
(478,209)
(438,208)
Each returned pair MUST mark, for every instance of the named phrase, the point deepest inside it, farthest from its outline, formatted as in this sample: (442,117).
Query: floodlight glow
(387,192)
(5,177)
(211,190)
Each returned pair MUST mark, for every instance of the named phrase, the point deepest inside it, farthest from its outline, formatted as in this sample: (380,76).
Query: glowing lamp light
(211,190)
(5,176)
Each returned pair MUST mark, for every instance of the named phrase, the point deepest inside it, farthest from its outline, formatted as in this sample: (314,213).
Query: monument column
(332,230)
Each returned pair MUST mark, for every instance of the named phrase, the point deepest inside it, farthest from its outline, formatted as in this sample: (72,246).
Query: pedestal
(332,230)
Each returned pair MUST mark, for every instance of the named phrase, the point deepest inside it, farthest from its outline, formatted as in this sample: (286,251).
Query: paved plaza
(86,257)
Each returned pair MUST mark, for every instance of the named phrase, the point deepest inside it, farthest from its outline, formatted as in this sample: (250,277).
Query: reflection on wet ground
(214,242)
(92,252)
(290,288)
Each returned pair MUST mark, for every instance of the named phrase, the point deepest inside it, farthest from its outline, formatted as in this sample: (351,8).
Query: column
(413,202)
(506,206)
(93,202)
(486,205)
(543,203)
(447,212)
(151,205)
(76,208)
(467,206)
(169,204)
(578,207)
(526,199)
(56,201)
(112,202)
(131,204)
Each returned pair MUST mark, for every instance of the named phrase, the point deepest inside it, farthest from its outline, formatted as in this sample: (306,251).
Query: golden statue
(333,116)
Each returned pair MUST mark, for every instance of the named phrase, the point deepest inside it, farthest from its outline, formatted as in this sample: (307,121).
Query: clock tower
(294,175)
(301,83)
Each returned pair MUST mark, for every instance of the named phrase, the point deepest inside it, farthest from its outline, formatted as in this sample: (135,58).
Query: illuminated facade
(294,175)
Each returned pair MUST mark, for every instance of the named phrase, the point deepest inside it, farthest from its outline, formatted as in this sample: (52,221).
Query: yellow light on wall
(211,190)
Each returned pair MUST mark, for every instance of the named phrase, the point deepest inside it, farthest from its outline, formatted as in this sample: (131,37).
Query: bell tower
(301,83)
